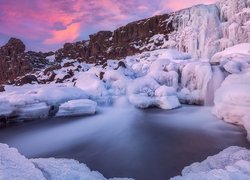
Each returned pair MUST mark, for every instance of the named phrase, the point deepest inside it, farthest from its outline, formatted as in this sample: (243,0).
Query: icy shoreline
(14,166)
(233,162)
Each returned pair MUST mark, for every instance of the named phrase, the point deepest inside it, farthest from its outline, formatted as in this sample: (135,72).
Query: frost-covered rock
(77,108)
(32,111)
(57,169)
(116,82)
(5,108)
(231,163)
(146,92)
(234,59)
(232,99)
(50,94)
(14,166)
(91,84)
(35,101)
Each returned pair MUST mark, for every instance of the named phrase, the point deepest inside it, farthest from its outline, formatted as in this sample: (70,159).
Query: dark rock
(2,89)
(28,79)
(121,64)
(101,75)
(12,60)
(15,62)
(52,68)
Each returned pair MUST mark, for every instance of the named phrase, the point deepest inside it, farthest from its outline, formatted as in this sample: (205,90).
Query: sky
(47,24)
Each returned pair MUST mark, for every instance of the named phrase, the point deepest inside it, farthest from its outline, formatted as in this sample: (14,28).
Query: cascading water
(214,83)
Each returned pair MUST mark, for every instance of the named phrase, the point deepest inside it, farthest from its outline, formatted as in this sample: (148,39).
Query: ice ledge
(231,163)
(14,166)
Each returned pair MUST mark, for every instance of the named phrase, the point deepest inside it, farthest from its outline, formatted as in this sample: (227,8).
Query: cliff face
(123,42)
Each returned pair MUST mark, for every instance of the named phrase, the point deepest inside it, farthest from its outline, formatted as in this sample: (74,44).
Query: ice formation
(14,166)
(232,99)
(231,163)
(36,101)
(77,108)
(234,59)
(204,30)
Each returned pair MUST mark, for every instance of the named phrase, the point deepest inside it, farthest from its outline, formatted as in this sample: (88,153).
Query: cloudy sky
(47,24)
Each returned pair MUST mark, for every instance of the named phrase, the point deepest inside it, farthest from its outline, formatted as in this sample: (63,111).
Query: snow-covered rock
(145,92)
(91,84)
(5,109)
(77,108)
(32,111)
(232,99)
(231,163)
(234,59)
(14,166)
(57,169)
(36,101)
(116,82)
(49,93)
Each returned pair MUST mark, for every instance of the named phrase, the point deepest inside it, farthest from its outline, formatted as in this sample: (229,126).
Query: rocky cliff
(124,41)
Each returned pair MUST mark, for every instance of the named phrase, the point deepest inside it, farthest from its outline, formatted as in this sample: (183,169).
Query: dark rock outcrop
(15,62)
(123,42)
(28,79)
(2,89)
(12,60)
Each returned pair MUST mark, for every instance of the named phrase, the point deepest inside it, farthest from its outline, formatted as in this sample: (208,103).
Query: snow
(14,166)
(57,169)
(5,108)
(234,59)
(232,99)
(91,84)
(35,101)
(145,92)
(32,111)
(77,108)
(231,163)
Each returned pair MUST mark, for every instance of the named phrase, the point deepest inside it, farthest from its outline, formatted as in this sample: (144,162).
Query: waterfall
(214,83)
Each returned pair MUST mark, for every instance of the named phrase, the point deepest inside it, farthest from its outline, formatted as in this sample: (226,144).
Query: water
(214,84)
(127,142)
